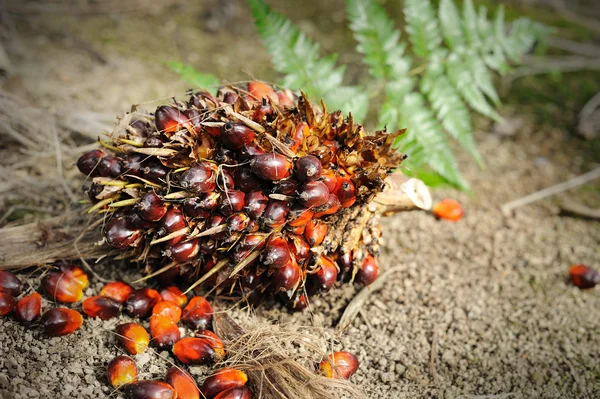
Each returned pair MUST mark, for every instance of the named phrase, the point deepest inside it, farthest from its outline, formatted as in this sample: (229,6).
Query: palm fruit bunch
(253,192)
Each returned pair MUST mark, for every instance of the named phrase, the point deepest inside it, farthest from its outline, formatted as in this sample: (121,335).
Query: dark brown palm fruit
(280,168)
(369,271)
(197,314)
(221,380)
(141,302)
(194,351)
(88,163)
(276,253)
(325,277)
(9,283)
(28,308)
(271,166)
(60,321)
(215,342)
(7,303)
(235,393)
(102,307)
(149,389)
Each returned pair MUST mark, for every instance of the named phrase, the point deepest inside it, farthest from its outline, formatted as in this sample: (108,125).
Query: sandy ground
(480,307)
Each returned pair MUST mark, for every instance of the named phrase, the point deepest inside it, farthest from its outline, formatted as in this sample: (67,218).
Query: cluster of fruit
(252,191)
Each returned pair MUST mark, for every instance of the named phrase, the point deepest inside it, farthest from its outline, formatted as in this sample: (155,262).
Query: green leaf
(451,110)
(394,96)
(460,76)
(349,99)
(520,39)
(425,143)
(470,23)
(422,26)
(195,78)
(496,59)
(450,24)
(483,77)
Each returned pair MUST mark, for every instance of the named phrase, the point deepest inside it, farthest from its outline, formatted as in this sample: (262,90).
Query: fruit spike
(254,192)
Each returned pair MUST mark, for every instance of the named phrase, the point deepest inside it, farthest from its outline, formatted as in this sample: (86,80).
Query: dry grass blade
(263,352)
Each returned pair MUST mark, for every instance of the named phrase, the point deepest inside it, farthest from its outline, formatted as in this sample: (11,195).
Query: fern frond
(349,99)
(520,39)
(450,24)
(483,77)
(192,76)
(422,27)
(425,143)
(395,92)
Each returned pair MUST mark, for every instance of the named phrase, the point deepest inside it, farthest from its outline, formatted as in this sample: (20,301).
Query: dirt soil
(478,307)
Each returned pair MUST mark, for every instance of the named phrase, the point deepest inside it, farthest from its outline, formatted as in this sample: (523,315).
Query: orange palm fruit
(315,232)
(584,277)
(197,314)
(448,209)
(61,321)
(28,308)
(221,380)
(183,383)
(260,90)
(133,337)
(117,290)
(195,351)
(242,392)
(77,274)
(121,370)
(7,303)
(102,307)
(164,332)
(215,342)
(62,288)
(174,294)
(149,389)
(339,365)
(169,309)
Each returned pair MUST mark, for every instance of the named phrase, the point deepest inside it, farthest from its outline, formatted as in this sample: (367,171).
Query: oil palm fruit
(251,185)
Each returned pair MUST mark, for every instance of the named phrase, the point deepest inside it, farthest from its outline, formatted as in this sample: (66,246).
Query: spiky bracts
(253,192)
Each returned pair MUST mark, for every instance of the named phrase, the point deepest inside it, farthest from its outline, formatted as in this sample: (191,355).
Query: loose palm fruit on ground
(196,351)
(168,309)
(141,302)
(61,321)
(7,303)
(76,273)
(9,283)
(102,307)
(62,288)
(448,209)
(149,389)
(222,380)
(251,160)
(133,337)
(117,290)
(215,342)
(183,383)
(235,393)
(197,314)
(28,308)
(174,294)
(339,365)
(121,370)
(164,332)
(584,277)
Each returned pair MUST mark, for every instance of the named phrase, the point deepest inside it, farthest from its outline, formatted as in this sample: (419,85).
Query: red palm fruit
(235,135)
(174,294)
(245,180)
(225,180)
(197,314)
(249,151)
(210,201)
(88,163)
(253,226)
(196,351)
(299,230)
(271,166)
(345,190)
(193,209)
(222,380)
(120,233)
(76,273)
(164,332)
(275,214)
(151,207)
(62,288)
(214,221)
(315,232)
(276,253)
(344,261)
(260,90)
(284,99)
(339,365)
(101,307)
(242,392)
(369,271)
(133,337)
(214,340)
(121,371)
(132,164)
(60,321)
(286,187)
(313,194)
(329,208)
(137,222)
(9,283)
(295,140)
(232,201)
(170,120)
(327,274)
(149,389)
(299,247)
(183,383)
(141,302)
(252,242)
(262,111)
(225,155)
(110,167)
(183,251)
(230,97)
(448,209)
(202,100)
(117,290)
(298,303)
(329,178)
(583,276)
(200,178)
(308,168)
(169,309)
(156,172)
(7,303)
(287,277)
(174,220)
(237,222)
(256,203)
(28,308)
